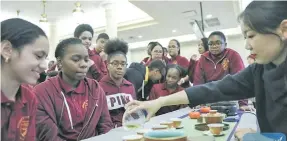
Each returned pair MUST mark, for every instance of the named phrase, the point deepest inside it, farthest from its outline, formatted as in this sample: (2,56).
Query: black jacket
(136,75)
(266,82)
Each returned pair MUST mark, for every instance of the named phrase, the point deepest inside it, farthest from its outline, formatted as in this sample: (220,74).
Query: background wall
(188,48)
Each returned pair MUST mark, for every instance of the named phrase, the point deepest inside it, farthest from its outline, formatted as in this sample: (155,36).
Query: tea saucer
(180,127)
(208,133)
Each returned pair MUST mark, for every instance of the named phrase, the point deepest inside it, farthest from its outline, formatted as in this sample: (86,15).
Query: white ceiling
(170,16)
(55,10)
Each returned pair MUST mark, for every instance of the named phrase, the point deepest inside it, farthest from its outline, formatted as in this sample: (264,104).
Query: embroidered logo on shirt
(85,105)
(225,63)
(23,126)
(118,100)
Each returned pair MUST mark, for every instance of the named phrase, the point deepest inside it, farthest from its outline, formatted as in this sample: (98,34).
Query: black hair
(264,16)
(61,47)
(82,28)
(151,43)
(152,46)
(116,46)
(218,33)
(20,32)
(104,36)
(52,73)
(164,49)
(181,70)
(158,64)
(178,44)
(205,43)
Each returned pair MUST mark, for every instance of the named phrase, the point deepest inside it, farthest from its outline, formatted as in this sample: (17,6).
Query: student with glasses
(118,90)
(218,62)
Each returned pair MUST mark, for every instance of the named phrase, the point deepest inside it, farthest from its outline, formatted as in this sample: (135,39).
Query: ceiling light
(44,15)
(44,18)
(208,16)
(174,31)
(78,9)
(140,36)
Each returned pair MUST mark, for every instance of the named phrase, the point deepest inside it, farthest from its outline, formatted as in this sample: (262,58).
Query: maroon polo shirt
(181,61)
(160,90)
(77,100)
(145,60)
(88,106)
(99,69)
(117,97)
(18,117)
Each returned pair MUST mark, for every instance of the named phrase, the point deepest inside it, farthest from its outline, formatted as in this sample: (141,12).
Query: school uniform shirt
(145,60)
(99,68)
(159,90)
(65,113)
(267,83)
(117,97)
(181,61)
(191,69)
(210,68)
(18,118)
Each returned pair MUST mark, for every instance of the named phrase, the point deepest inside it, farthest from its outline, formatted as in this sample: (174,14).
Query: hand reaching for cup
(151,107)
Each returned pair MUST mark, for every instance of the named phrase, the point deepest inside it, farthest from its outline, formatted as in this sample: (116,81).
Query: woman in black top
(264,26)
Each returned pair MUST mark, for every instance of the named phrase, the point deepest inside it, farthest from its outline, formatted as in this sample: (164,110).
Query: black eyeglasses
(117,64)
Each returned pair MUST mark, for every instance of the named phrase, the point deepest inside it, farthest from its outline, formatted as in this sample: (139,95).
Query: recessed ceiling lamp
(208,16)
(140,36)
(174,31)
(44,15)
(78,11)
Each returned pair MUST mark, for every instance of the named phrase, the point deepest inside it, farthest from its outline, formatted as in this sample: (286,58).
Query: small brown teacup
(176,122)
(215,128)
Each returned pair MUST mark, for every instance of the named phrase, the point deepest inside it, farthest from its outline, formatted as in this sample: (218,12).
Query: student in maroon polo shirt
(174,74)
(118,90)
(71,106)
(218,62)
(174,52)
(202,48)
(85,32)
(24,48)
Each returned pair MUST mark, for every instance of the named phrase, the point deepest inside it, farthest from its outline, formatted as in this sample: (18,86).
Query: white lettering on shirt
(118,100)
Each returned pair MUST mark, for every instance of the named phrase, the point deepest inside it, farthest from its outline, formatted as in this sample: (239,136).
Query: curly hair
(82,28)
(116,46)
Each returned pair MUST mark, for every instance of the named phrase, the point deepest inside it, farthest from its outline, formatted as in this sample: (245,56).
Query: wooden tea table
(193,134)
